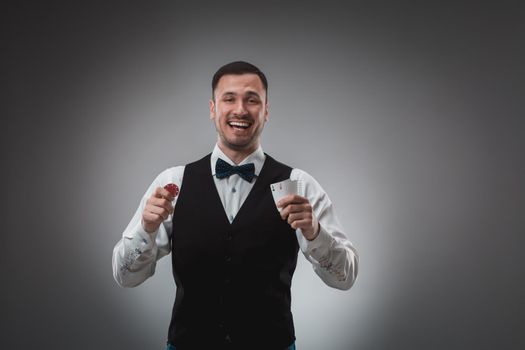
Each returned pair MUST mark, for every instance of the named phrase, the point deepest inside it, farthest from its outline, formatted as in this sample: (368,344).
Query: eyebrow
(248,93)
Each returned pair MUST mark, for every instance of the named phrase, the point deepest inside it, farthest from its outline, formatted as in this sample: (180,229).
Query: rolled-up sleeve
(332,255)
(136,254)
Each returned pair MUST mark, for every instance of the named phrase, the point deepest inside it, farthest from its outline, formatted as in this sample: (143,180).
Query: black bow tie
(223,169)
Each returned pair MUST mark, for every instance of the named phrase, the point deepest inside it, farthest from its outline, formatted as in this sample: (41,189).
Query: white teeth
(239,124)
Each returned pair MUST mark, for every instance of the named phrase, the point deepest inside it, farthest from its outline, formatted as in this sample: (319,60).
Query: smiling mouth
(239,125)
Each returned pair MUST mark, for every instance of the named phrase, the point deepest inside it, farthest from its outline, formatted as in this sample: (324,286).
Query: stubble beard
(250,145)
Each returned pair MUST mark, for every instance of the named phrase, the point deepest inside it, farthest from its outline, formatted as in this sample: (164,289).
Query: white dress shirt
(331,254)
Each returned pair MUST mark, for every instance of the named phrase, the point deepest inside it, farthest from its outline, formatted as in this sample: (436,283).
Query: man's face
(239,111)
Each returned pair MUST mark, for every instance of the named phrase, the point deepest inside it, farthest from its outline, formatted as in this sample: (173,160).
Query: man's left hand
(299,214)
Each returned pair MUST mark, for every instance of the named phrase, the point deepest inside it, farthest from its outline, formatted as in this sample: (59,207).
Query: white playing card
(283,188)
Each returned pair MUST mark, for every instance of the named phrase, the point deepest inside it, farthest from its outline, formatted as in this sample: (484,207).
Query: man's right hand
(157,209)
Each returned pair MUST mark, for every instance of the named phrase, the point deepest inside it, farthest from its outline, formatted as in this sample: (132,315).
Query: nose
(239,108)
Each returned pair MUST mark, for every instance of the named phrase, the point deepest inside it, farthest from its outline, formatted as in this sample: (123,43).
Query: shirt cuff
(319,246)
(140,234)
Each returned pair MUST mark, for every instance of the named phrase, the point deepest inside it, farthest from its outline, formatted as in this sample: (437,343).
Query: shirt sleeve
(136,254)
(333,257)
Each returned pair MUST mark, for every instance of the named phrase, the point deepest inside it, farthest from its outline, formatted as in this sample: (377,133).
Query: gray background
(409,114)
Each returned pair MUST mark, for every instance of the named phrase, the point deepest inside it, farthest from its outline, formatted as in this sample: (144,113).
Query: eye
(253,100)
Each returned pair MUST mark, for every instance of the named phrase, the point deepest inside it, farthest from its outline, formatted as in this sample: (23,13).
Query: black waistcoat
(233,280)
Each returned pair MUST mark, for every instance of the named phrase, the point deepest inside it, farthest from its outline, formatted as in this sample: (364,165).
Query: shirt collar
(257,158)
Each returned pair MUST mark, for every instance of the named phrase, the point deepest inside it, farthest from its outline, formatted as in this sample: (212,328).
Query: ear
(212,109)
(266,111)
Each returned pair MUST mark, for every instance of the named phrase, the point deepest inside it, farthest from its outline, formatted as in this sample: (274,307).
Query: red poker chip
(173,189)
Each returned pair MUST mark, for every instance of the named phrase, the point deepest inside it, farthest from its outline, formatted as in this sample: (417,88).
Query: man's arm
(143,242)
(319,232)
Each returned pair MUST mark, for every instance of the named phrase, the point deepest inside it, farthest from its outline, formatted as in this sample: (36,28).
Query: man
(233,251)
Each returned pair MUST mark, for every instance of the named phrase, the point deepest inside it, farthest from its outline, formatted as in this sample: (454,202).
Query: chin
(238,145)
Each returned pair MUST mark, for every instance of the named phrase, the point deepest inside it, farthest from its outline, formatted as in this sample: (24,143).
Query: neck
(237,155)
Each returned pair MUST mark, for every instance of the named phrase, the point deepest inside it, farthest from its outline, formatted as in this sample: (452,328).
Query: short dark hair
(237,68)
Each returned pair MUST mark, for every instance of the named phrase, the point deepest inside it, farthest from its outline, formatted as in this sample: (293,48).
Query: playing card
(283,188)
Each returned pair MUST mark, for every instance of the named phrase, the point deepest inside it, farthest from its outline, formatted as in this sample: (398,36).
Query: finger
(299,216)
(164,203)
(161,202)
(297,208)
(157,193)
(167,194)
(302,224)
(161,211)
(163,193)
(283,202)
(288,199)
(285,211)
(151,218)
